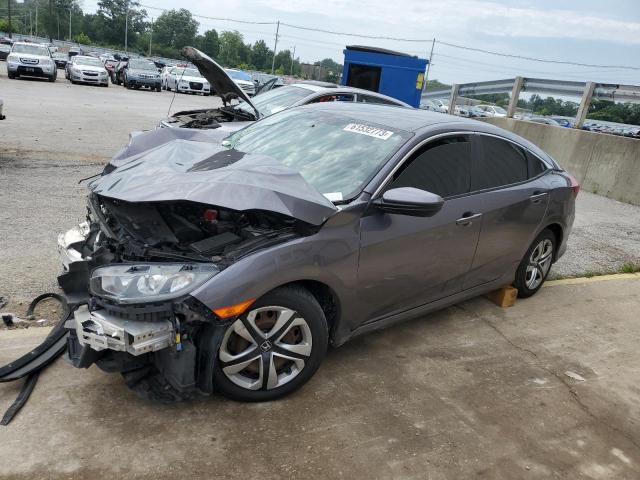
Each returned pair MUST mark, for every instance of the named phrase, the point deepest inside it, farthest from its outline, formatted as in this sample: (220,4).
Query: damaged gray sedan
(230,264)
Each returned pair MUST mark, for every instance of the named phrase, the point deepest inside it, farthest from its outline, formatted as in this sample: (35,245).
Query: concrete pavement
(545,389)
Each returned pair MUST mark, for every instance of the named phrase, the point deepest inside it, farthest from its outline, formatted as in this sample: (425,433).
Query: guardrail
(585,90)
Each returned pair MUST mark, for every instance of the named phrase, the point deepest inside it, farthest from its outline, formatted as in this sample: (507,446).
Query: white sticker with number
(368,130)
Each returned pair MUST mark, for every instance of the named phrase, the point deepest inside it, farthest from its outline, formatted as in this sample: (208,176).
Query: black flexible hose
(31,364)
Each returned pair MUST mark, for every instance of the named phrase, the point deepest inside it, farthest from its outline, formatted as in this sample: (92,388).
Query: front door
(408,261)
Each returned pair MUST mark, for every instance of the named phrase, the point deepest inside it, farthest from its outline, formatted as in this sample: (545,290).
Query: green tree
(175,29)
(112,19)
(233,51)
(261,55)
(82,39)
(209,43)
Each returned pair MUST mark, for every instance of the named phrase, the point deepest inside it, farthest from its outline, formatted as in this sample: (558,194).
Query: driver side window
(442,167)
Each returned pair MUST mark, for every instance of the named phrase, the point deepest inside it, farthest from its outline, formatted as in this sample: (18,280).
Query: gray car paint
(366,256)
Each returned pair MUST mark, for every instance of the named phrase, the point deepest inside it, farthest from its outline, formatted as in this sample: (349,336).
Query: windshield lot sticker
(368,130)
(334,196)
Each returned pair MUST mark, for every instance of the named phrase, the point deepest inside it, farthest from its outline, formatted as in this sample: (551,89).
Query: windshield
(187,72)
(31,49)
(238,75)
(88,61)
(275,101)
(499,109)
(142,65)
(333,152)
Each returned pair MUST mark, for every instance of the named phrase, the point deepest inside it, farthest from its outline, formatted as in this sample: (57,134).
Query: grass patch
(630,267)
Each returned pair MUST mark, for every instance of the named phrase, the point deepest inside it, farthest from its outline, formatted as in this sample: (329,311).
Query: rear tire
(536,264)
(252,363)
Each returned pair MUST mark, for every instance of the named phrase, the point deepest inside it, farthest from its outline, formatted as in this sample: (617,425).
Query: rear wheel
(535,265)
(274,348)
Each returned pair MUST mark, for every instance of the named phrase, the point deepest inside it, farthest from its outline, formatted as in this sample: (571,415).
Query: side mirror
(409,201)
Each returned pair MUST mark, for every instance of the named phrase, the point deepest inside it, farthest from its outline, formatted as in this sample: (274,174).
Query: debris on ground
(575,376)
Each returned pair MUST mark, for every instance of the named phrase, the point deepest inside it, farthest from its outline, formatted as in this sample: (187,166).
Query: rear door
(407,261)
(513,197)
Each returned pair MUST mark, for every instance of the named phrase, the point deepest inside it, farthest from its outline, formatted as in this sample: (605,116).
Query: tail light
(575,186)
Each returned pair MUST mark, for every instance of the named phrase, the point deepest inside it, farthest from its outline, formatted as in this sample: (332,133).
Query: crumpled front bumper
(99,331)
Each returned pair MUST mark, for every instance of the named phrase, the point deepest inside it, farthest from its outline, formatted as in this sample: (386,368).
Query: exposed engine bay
(208,118)
(182,230)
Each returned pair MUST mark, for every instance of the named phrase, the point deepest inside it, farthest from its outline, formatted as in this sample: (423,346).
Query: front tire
(11,75)
(534,267)
(274,348)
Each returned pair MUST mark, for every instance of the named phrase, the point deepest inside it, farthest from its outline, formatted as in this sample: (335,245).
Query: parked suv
(141,73)
(31,60)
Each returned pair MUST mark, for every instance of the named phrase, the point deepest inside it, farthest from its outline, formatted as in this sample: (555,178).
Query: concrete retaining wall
(604,164)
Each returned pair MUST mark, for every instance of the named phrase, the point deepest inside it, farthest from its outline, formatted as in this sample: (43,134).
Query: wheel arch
(326,297)
(558,233)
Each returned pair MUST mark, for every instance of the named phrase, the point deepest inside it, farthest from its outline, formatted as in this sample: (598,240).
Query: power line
(533,59)
(223,19)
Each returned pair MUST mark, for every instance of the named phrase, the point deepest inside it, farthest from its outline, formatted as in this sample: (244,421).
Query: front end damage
(131,266)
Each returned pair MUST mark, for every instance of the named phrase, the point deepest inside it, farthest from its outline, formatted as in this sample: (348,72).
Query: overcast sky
(585,31)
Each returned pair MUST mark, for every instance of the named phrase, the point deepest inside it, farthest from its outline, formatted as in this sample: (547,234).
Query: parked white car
(31,60)
(243,80)
(83,69)
(492,110)
(185,80)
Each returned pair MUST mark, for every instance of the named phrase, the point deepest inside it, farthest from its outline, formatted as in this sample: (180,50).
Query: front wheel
(274,348)
(534,267)
(11,75)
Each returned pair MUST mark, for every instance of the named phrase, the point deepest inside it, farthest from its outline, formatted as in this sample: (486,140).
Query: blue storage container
(391,73)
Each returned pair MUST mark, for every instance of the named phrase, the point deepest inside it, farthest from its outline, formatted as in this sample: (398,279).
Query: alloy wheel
(266,348)
(539,264)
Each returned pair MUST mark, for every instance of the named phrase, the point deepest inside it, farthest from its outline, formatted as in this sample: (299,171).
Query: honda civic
(212,264)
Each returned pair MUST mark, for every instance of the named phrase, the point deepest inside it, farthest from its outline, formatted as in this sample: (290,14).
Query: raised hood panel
(211,174)
(222,84)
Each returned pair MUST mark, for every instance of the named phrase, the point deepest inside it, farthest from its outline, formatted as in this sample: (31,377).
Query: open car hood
(220,81)
(203,172)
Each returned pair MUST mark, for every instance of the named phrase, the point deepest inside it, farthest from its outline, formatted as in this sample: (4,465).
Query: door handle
(468,219)
(537,197)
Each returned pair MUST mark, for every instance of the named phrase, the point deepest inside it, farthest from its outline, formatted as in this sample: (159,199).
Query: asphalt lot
(546,389)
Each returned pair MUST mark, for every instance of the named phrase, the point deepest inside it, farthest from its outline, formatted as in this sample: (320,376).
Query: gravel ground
(63,133)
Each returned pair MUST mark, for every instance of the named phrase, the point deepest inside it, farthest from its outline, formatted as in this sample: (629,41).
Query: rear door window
(500,163)
(442,167)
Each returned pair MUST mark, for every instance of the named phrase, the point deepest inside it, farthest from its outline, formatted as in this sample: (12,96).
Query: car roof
(337,89)
(421,121)
(408,119)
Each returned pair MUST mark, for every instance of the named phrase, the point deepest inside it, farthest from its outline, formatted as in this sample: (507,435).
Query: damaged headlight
(149,283)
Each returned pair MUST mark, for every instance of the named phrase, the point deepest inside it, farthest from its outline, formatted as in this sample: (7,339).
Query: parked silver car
(31,60)
(84,69)
(265,103)
(231,264)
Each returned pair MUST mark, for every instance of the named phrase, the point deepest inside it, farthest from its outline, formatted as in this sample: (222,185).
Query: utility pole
(426,77)
(293,59)
(30,25)
(275,48)
(150,36)
(126,26)
(10,28)
(36,19)
(50,26)
(69,24)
